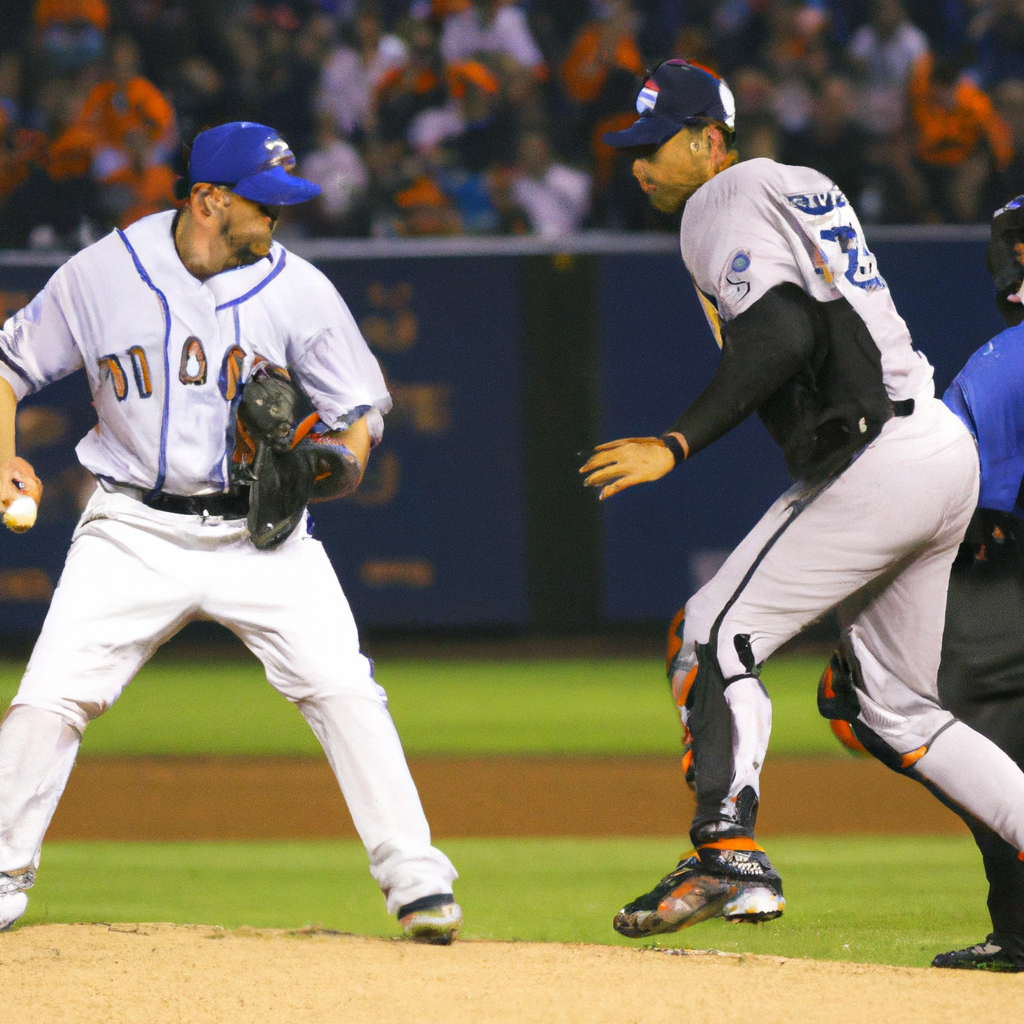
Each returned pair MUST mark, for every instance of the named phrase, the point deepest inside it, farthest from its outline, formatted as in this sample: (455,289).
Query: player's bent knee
(341,685)
(680,661)
(74,714)
(839,701)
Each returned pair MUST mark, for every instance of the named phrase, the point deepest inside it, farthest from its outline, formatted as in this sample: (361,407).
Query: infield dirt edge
(238,798)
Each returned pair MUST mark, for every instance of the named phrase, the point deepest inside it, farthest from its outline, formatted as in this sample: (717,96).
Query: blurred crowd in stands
(440,117)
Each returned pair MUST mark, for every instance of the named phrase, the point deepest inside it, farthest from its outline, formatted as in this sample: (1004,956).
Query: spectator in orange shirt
(602,74)
(603,49)
(959,140)
(123,139)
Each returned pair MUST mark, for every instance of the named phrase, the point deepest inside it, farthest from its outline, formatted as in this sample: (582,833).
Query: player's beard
(246,253)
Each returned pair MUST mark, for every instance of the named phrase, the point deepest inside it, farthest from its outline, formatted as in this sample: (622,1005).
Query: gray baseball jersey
(760,224)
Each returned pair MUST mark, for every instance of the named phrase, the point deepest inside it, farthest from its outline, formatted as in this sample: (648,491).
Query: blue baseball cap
(253,160)
(675,95)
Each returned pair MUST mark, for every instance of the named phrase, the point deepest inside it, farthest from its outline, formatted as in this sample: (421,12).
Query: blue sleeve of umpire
(988,396)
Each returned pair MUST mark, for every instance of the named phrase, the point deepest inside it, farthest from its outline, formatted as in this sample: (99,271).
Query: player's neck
(199,253)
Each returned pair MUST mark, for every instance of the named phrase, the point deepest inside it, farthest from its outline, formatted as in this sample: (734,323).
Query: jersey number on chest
(192,368)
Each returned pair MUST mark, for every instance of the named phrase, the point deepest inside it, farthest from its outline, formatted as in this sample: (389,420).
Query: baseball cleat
(994,954)
(12,906)
(714,881)
(753,904)
(433,919)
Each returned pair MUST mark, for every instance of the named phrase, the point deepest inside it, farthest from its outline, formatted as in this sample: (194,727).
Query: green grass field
(895,901)
(885,900)
(612,707)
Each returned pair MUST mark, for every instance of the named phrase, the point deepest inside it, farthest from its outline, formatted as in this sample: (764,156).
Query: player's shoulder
(154,229)
(1008,343)
(98,253)
(120,248)
(739,193)
(762,173)
(757,190)
(743,183)
(148,243)
(288,286)
(1000,362)
(301,275)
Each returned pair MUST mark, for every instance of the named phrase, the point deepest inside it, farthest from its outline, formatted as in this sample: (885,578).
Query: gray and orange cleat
(996,953)
(731,878)
(433,919)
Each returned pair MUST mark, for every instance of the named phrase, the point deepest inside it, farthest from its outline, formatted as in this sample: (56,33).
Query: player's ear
(207,199)
(198,197)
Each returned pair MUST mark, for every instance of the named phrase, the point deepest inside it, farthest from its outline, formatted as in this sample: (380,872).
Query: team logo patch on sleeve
(736,287)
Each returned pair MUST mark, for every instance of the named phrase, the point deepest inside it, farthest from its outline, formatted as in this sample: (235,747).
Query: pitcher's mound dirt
(167,974)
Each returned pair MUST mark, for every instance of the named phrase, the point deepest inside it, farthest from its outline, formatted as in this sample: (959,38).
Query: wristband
(677,445)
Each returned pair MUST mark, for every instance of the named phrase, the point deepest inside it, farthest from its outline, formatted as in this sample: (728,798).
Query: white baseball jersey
(759,224)
(166,354)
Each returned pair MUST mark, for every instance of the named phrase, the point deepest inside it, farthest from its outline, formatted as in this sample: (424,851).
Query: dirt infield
(167,974)
(167,798)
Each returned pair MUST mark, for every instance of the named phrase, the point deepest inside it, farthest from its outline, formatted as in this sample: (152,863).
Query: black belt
(904,408)
(224,506)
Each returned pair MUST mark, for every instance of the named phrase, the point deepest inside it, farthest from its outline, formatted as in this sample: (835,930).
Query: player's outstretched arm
(763,347)
(616,465)
(17,478)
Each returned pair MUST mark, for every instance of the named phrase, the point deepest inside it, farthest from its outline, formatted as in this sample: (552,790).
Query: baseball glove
(284,460)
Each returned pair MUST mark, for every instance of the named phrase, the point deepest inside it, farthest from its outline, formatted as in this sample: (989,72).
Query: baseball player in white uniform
(886,482)
(167,319)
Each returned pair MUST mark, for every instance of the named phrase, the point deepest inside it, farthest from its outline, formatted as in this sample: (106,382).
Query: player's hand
(620,464)
(18,480)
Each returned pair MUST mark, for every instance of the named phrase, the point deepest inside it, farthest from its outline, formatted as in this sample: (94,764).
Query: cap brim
(649,130)
(276,187)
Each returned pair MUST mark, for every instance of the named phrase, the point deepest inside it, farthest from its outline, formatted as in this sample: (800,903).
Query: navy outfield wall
(435,535)
(507,359)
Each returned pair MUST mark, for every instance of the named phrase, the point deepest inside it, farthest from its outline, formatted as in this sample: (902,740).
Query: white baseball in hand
(21,514)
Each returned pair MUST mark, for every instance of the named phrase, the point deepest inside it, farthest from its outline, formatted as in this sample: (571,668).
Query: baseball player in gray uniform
(886,482)
(168,318)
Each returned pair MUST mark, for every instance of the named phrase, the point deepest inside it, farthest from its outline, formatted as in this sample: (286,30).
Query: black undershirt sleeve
(761,349)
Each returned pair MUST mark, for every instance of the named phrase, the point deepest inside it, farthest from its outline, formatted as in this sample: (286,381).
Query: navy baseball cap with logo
(675,95)
(252,160)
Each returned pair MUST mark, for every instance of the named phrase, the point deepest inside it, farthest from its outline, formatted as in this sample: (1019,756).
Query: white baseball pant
(878,541)
(133,577)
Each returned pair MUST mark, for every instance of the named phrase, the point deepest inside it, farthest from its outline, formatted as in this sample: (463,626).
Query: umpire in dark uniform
(981,675)
(981,680)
